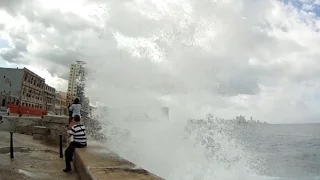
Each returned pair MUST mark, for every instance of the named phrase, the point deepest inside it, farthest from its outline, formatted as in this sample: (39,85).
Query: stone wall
(56,125)
(24,125)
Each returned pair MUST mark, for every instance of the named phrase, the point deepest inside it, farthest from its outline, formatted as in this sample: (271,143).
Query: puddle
(6,150)
(33,175)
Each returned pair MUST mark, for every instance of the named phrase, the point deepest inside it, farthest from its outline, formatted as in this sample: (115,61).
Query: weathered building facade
(10,86)
(21,87)
(32,92)
(61,106)
(49,98)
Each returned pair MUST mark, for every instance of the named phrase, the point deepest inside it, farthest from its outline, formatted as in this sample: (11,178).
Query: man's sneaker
(66,170)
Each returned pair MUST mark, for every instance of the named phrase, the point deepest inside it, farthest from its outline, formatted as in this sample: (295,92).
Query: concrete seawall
(97,163)
(92,163)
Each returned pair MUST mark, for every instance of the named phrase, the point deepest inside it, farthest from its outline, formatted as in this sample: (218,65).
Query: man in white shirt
(78,131)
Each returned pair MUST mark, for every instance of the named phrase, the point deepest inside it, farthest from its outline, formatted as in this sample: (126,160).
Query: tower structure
(74,76)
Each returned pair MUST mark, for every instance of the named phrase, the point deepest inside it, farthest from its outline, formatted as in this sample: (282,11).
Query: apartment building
(21,87)
(73,81)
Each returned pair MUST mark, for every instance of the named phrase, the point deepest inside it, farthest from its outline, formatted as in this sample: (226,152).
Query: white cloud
(256,58)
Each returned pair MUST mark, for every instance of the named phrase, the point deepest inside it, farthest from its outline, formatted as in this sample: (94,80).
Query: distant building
(73,81)
(21,87)
(64,103)
(49,98)
(61,104)
(76,87)
(57,105)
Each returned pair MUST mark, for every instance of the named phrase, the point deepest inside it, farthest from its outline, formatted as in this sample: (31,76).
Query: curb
(83,170)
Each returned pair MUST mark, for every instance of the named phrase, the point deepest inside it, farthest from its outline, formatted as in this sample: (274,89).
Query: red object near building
(17,109)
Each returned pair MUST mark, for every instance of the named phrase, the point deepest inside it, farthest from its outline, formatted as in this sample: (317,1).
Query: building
(49,98)
(64,104)
(61,105)
(57,105)
(21,87)
(76,87)
(73,81)
(10,85)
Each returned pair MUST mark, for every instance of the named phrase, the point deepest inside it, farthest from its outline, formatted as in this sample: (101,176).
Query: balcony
(25,83)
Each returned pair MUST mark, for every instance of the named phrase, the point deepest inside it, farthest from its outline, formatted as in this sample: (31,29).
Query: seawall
(92,163)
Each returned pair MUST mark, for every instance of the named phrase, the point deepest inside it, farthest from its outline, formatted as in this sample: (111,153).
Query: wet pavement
(32,160)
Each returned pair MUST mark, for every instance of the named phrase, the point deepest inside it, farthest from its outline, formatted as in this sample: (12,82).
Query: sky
(257,58)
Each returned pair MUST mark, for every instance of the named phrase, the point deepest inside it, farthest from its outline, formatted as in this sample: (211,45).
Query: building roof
(34,74)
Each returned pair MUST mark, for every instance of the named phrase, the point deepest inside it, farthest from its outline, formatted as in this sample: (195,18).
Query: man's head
(70,119)
(77,118)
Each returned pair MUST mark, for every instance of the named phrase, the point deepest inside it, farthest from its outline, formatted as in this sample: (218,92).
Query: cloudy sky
(258,58)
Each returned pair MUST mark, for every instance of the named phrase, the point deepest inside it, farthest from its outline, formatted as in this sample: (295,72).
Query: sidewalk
(32,160)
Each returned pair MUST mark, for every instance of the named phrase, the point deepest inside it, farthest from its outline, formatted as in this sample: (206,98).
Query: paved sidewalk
(32,160)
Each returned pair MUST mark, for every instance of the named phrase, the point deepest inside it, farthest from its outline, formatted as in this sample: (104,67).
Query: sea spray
(182,149)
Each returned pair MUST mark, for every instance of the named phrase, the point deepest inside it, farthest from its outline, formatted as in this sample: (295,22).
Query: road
(32,160)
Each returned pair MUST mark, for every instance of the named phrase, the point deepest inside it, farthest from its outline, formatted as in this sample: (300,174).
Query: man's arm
(71,132)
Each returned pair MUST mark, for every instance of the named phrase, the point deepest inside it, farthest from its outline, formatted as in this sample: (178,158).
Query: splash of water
(183,149)
(173,59)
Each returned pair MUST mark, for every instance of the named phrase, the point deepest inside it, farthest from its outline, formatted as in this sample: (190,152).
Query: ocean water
(287,151)
(218,150)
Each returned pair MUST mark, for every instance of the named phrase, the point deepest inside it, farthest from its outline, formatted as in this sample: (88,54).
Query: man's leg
(68,156)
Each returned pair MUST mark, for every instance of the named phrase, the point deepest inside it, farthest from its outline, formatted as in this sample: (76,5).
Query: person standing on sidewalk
(78,131)
(8,111)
